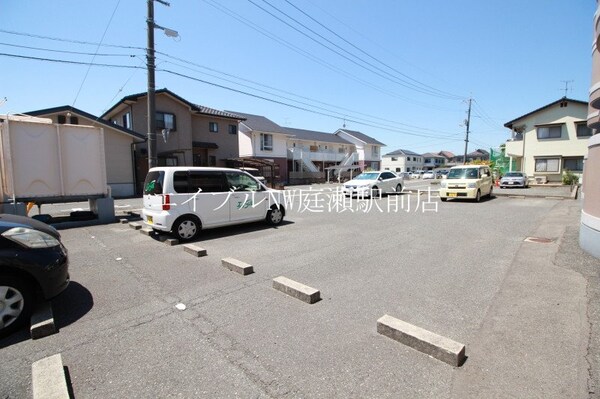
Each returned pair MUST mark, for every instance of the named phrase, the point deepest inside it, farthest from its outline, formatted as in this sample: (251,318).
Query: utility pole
(152,157)
(150,63)
(467,123)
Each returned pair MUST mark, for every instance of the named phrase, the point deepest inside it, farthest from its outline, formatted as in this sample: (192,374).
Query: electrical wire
(68,52)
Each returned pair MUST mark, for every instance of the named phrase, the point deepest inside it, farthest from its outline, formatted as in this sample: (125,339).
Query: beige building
(589,232)
(118,146)
(187,133)
(550,140)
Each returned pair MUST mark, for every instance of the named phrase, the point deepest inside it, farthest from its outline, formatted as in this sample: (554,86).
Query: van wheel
(443,199)
(478,196)
(15,304)
(187,228)
(274,216)
(491,192)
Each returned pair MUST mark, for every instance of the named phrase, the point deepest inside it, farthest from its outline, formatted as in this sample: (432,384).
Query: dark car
(34,267)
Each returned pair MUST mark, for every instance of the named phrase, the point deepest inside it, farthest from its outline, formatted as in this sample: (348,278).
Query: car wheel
(491,192)
(443,199)
(398,188)
(15,304)
(274,216)
(187,228)
(375,192)
(478,196)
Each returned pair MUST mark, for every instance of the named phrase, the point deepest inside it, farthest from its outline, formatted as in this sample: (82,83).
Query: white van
(467,181)
(184,200)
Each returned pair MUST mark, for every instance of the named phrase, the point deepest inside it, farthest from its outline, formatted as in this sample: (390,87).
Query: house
(118,144)
(368,149)
(187,133)
(589,231)
(264,140)
(549,140)
(433,161)
(402,161)
(316,156)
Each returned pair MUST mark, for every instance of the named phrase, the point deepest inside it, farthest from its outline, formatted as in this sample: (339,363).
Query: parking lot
(438,267)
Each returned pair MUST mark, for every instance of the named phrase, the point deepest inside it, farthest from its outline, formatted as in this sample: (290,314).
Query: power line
(94,56)
(67,51)
(393,79)
(369,55)
(70,62)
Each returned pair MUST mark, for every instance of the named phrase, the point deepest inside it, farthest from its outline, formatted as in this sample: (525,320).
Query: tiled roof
(198,109)
(402,152)
(260,123)
(362,137)
(68,108)
(310,135)
(565,99)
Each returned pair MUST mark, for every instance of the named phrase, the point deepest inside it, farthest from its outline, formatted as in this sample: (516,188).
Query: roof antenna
(566,89)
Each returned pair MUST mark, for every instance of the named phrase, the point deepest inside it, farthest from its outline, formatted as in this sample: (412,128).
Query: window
(547,165)
(375,151)
(549,132)
(241,182)
(266,142)
(167,161)
(212,160)
(165,120)
(213,127)
(190,181)
(61,119)
(127,120)
(73,120)
(574,164)
(394,159)
(232,129)
(387,175)
(398,169)
(583,130)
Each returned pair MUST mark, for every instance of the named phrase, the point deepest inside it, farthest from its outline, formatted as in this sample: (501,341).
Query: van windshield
(154,182)
(463,173)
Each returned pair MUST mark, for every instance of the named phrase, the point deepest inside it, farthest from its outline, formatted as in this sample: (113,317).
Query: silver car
(514,179)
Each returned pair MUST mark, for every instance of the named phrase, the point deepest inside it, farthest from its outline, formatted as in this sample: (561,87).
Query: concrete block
(296,290)
(42,321)
(123,221)
(439,347)
(147,231)
(237,266)
(104,208)
(135,225)
(48,379)
(171,241)
(194,250)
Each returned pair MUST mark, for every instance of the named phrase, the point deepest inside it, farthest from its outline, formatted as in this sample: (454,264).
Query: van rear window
(154,182)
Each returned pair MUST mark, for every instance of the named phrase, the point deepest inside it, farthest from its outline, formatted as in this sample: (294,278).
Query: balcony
(514,147)
(297,153)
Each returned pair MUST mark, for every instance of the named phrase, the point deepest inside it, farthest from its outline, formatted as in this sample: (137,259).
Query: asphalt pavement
(526,311)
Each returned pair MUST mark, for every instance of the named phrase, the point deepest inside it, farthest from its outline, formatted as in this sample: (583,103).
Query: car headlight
(472,185)
(31,238)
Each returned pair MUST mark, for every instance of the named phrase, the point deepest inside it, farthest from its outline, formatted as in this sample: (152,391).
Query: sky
(399,71)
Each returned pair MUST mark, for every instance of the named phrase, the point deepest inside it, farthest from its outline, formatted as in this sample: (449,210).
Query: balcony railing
(325,155)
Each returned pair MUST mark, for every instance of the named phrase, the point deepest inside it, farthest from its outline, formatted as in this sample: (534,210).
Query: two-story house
(432,161)
(315,156)
(261,138)
(368,149)
(549,140)
(118,146)
(402,161)
(187,133)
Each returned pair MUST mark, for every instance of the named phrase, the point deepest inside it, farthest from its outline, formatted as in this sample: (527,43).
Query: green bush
(569,178)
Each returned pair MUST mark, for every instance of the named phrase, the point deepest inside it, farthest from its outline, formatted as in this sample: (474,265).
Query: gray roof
(432,155)
(310,135)
(402,152)
(199,109)
(260,123)
(361,136)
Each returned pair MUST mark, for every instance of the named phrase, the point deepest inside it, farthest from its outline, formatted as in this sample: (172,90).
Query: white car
(429,174)
(374,184)
(184,200)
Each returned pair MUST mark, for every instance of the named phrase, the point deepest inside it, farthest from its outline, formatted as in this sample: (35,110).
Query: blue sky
(397,70)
